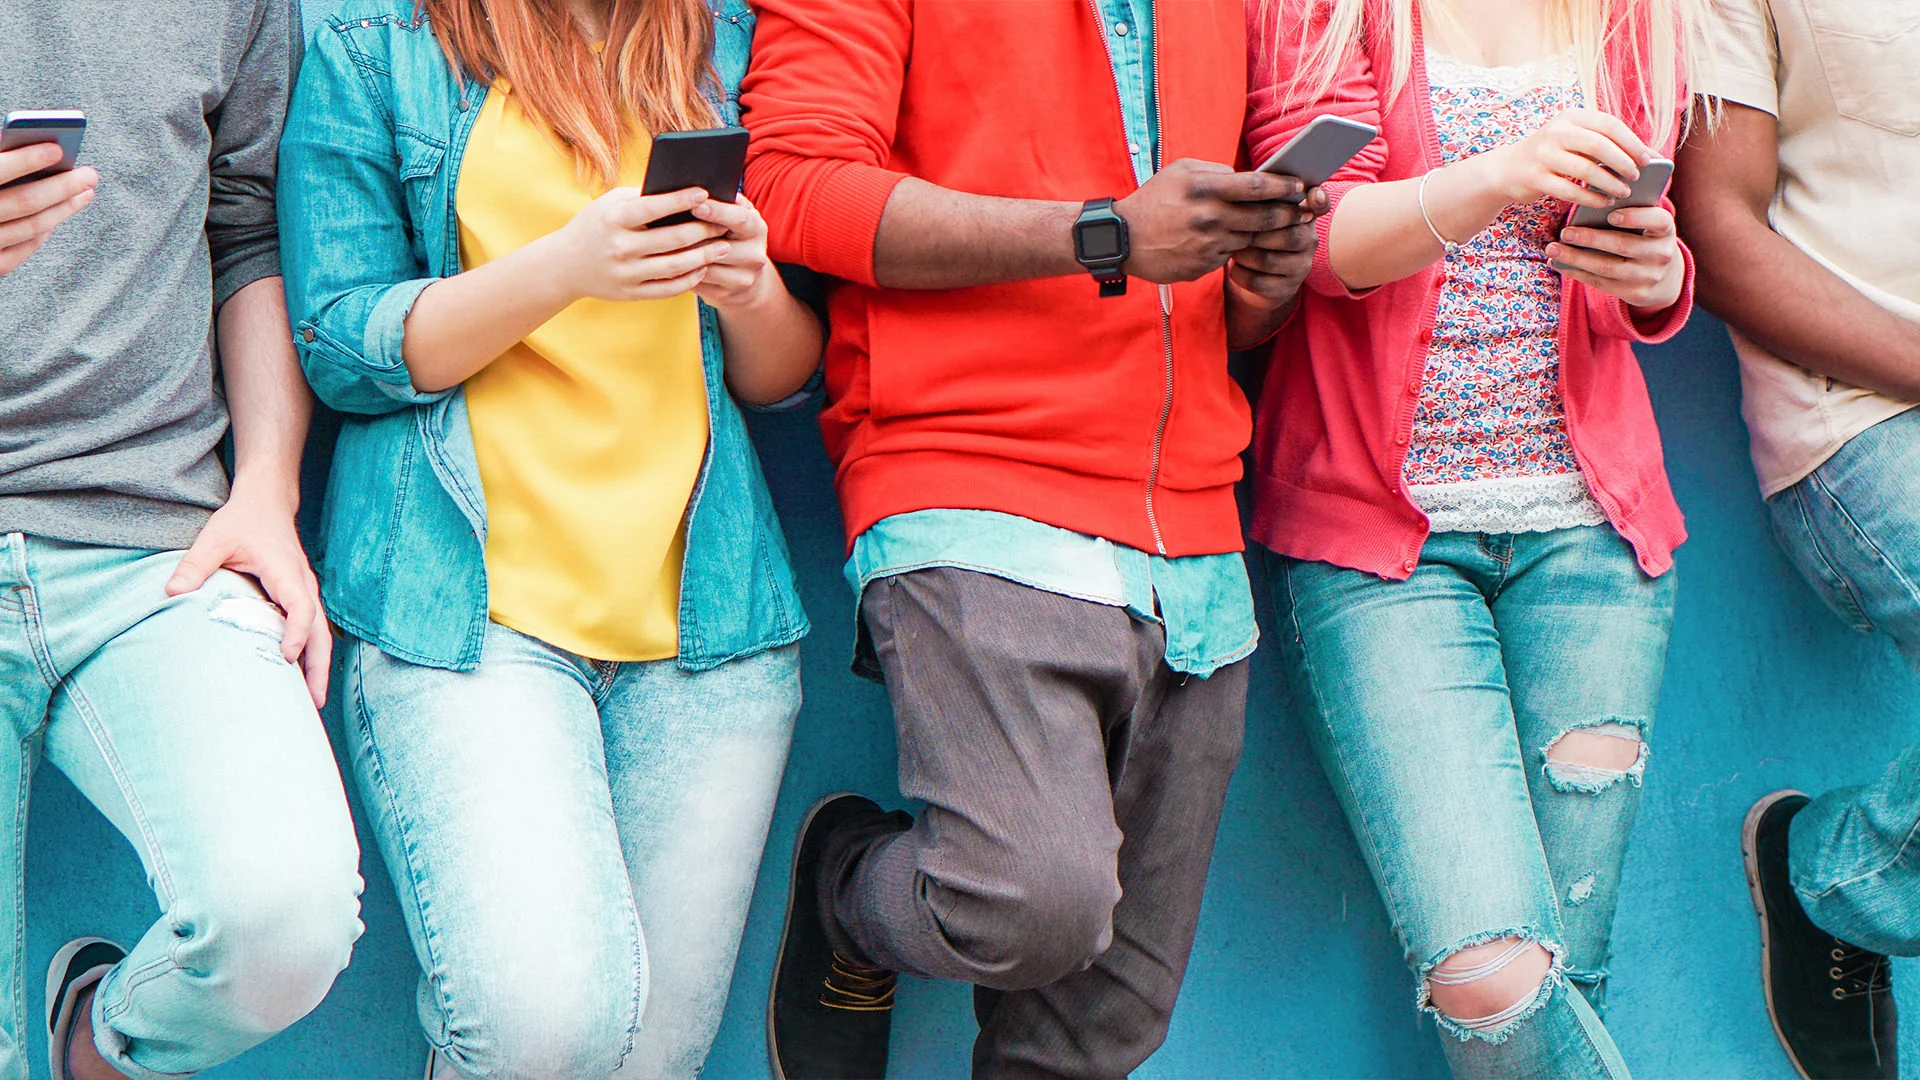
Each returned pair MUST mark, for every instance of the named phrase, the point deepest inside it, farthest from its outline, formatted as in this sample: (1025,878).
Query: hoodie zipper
(1166,291)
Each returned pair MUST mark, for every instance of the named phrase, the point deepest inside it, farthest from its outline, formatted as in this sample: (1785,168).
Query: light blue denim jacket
(368,174)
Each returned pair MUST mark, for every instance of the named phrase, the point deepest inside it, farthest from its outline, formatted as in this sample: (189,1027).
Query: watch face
(1099,240)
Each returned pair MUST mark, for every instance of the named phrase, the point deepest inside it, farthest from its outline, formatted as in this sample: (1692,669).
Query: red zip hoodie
(1336,411)
(1113,417)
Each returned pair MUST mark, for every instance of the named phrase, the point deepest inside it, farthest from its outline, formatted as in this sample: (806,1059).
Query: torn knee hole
(1487,988)
(1596,756)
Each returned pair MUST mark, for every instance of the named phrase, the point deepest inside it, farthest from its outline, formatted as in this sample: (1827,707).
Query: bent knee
(1055,922)
(273,949)
(1489,987)
(541,1028)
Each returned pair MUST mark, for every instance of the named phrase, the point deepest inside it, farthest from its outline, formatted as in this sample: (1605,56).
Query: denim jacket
(369,167)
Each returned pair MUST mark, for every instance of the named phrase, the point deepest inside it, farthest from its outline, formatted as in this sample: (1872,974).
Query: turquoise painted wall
(1295,974)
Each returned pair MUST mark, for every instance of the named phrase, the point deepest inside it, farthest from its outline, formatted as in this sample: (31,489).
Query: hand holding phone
(39,185)
(1646,191)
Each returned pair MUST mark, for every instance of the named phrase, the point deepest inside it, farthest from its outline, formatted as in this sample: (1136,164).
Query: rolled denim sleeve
(351,269)
(245,130)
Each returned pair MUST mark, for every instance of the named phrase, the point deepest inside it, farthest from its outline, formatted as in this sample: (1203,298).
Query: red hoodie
(1039,398)
(1336,412)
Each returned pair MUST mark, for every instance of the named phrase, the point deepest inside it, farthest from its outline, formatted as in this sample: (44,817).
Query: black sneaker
(828,1017)
(1831,1002)
(77,968)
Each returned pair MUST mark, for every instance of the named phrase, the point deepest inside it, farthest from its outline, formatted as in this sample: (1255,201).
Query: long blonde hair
(1634,58)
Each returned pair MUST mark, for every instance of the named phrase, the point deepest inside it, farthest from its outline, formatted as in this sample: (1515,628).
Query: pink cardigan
(1336,411)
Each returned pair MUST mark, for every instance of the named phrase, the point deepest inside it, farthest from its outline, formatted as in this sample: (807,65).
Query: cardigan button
(1410,565)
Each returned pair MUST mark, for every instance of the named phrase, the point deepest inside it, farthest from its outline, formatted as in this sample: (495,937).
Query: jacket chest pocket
(425,191)
(1869,51)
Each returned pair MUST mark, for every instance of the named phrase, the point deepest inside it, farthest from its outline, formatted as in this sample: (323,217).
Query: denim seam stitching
(1858,612)
(1893,567)
(362,720)
(162,874)
(1370,845)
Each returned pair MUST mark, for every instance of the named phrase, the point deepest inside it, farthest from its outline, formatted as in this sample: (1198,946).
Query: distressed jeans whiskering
(1437,706)
(574,844)
(179,719)
(1853,530)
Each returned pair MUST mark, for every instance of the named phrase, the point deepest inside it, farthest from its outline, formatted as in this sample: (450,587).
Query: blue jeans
(179,719)
(1432,703)
(564,833)
(1853,529)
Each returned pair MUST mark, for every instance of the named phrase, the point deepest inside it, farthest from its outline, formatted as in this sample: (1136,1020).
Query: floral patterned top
(1490,451)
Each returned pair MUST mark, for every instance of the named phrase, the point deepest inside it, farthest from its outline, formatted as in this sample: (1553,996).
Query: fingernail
(721,251)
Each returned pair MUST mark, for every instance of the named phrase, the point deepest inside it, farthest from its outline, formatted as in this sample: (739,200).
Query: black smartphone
(24,127)
(714,160)
(1656,177)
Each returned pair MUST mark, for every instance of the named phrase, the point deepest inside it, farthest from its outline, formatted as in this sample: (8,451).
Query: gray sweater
(111,415)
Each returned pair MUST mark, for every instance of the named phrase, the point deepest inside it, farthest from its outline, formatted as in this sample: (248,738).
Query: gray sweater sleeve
(241,233)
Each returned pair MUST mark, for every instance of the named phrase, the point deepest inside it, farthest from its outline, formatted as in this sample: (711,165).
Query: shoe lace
(857,987)
(1858,972)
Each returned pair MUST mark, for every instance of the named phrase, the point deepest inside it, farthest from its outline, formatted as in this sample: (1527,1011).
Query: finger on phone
(1248,187)
(637,211)
(1616,129)
(18,162)
(1654,222)
(1587,260)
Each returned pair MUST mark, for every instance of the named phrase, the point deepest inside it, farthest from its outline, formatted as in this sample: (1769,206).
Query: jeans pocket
(1868,50)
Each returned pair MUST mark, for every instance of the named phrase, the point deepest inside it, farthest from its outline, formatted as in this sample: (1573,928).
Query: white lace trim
(1453,72)
(1513,504)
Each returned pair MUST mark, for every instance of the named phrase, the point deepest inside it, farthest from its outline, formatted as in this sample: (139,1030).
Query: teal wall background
(1295,973)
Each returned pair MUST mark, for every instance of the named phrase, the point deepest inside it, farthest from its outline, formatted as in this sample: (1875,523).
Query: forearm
(1779,297)
(463,323)
(267,396)
(772,345)
(933,238)
(1378,234)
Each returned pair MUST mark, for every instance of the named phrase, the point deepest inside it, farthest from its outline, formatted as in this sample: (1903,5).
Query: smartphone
(1655,177)
(24,127)
(1319,150)
(715,160)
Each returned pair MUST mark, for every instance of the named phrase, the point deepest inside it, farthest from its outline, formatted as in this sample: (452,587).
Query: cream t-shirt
(1843,78)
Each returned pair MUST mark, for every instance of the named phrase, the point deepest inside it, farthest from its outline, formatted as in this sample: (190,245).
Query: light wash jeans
(1853,529)
(179,719)
(574,844)
(1432,703)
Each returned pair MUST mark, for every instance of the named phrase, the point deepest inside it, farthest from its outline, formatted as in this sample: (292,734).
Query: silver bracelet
(1421,197)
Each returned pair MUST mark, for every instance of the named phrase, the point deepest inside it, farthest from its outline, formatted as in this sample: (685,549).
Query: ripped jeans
(179,719)
(1433,704)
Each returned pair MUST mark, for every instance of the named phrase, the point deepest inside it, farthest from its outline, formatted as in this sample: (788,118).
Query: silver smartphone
(1318,151)
(1655,177)
(24,127)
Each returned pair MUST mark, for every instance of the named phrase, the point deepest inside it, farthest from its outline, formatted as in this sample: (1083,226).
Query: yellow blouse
(590,433)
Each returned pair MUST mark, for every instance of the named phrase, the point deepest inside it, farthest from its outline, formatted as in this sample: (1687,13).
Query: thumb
(197,565)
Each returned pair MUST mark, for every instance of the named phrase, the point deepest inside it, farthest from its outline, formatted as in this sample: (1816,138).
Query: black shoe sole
(786,924)
(1749,856)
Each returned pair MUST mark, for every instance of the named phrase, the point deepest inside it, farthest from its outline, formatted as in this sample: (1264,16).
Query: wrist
(273,488)
(553,273)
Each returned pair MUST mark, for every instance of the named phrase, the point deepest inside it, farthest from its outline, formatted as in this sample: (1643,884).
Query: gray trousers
(1073,785)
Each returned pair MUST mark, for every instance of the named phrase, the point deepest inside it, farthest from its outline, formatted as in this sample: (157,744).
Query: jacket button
(307,334)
